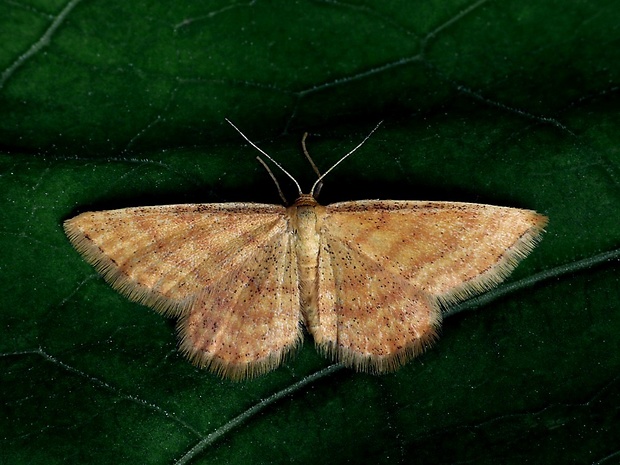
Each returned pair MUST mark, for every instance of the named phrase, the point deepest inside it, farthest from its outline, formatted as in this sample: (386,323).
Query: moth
(367,279)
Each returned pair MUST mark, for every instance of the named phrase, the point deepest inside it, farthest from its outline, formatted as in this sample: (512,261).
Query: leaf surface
(116,104)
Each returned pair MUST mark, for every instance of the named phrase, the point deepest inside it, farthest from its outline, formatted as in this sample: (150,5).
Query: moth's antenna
(262,162)
(303,146)
(267,155)
(318,181)
(314,167)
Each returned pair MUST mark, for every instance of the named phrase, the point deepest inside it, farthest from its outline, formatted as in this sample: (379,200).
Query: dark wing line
(357,206)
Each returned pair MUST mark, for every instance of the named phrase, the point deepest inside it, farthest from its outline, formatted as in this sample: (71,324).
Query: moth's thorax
(306,222)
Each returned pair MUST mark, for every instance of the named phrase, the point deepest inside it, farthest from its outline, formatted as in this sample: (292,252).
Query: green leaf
(115,104)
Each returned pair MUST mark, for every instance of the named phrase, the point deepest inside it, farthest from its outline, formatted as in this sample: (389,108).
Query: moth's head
(305,200)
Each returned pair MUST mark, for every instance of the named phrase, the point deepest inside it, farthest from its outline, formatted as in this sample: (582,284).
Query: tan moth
(367,279)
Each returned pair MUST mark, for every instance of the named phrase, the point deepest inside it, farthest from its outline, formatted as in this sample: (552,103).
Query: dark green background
(108,104)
